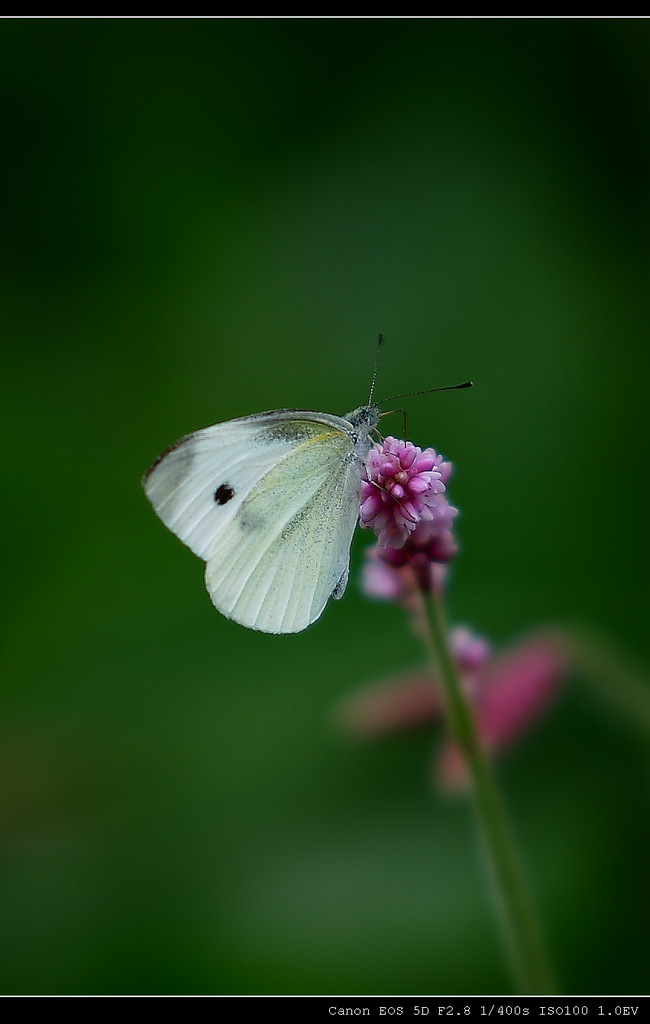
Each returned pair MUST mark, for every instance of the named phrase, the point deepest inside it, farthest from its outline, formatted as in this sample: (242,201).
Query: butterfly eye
(223,494)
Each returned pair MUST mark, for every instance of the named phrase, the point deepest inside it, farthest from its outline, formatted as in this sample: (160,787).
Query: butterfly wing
(270,502)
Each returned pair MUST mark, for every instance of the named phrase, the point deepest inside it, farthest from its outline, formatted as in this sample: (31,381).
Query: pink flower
(398,574)
(380,579)
(403,501)
(402,488)
(470,651)
(509,692)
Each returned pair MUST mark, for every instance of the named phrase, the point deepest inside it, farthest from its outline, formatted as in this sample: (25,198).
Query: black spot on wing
(223,494)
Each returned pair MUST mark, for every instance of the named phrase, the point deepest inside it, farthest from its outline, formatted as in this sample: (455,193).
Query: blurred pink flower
(509,692)
(399,574)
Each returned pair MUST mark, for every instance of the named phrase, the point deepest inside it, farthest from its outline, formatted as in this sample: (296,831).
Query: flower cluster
(402,488)
(403,500)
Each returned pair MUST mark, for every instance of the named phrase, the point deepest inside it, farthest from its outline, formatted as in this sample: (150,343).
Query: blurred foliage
(204,219)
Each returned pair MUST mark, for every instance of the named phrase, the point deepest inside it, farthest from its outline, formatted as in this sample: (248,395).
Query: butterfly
(270,503)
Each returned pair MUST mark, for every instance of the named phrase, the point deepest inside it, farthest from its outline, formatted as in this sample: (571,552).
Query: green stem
(523,939)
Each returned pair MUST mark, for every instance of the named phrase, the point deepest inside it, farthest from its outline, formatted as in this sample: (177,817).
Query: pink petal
(515,688)
(408,457)
(409,511)
(405,700)
(418,485)
(371,505)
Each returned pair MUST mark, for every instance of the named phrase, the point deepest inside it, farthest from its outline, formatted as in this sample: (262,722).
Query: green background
(205,219)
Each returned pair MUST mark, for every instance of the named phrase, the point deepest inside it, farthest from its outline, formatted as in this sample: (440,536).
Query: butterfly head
(365,418)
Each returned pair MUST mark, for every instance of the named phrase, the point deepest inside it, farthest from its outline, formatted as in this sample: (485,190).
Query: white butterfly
(270,502)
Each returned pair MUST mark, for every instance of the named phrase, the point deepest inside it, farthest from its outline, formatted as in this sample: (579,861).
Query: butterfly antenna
(374,373)
(409,394)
